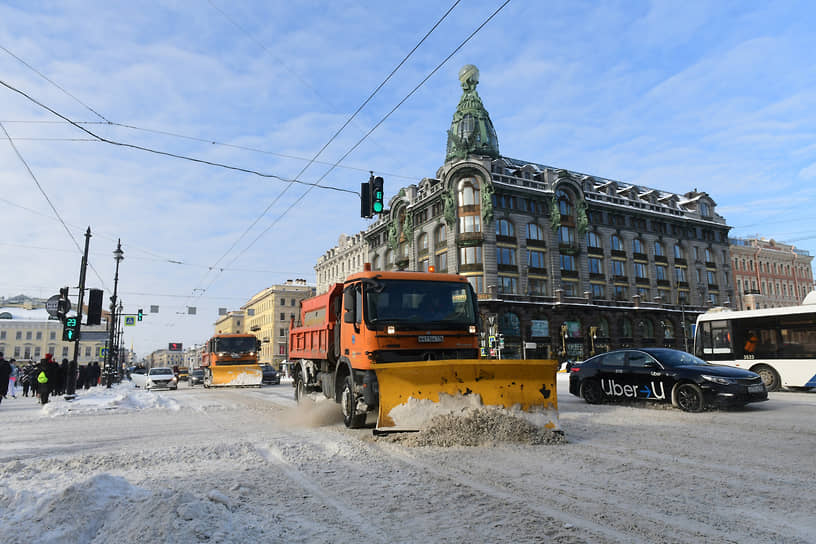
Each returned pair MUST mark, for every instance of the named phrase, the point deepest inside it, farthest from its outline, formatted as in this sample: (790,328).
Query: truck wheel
(348,402)
(300,388)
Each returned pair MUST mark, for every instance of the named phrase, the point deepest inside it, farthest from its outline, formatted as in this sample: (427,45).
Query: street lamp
(118,255)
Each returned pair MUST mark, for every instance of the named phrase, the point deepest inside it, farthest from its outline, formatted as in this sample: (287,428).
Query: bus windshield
(236,344)
(420,304)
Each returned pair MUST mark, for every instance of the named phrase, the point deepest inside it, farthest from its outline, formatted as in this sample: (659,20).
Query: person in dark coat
(52,370)
(5,372)
(28,380)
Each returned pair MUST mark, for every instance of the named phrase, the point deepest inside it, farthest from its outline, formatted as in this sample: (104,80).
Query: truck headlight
(391,329)
(472,329)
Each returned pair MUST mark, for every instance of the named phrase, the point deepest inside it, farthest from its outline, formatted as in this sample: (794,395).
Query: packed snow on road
(125,465)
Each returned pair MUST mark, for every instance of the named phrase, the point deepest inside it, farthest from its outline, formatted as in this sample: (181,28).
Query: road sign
(93,336)
(101,352)
(52,304)
(130,321)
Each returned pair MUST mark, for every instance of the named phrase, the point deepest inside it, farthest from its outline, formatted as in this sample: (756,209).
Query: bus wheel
(348,402)
(769,377)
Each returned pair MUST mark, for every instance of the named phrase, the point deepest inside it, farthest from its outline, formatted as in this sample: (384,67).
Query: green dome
(471,130)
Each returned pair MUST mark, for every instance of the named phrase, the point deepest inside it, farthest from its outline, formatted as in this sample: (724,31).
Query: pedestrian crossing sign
(102,352)
(130,320)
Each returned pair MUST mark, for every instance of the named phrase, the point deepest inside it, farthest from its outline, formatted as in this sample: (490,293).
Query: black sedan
(270,375)
(196,376)
(664,375)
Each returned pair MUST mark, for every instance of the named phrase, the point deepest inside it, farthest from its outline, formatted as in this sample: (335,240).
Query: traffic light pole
(70,385)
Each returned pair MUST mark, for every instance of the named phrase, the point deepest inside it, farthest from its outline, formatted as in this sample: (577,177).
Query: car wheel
(769,377)
(348,402)
(300,389)
(690,397)
(591,392)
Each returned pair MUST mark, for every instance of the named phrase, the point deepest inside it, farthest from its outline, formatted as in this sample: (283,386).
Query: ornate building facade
(565,264)
(340,261)
(769,274)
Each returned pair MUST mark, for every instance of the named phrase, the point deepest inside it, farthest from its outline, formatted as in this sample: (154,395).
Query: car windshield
(157,371)
(420,304)
(672,358)
(238,344)
(198,372)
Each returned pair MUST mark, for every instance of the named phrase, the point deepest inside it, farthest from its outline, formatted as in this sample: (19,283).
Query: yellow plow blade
(406,389)
(236,375)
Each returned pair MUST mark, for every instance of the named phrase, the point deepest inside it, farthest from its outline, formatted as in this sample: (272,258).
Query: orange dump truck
(384,340)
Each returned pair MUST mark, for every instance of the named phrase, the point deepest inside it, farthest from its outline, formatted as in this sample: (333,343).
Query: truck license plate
(429,339)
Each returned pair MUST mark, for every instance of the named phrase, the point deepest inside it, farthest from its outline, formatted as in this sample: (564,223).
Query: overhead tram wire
(173,155)
(48,199)
(320,151)
(456,50)
(194,139)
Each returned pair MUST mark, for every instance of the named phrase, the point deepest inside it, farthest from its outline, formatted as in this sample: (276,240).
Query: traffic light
(94,306)
(377,195)
(139,315)
(70,330)
(63,304)
(365,199)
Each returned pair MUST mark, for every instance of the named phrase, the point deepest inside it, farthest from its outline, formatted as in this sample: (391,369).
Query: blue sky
(720,96)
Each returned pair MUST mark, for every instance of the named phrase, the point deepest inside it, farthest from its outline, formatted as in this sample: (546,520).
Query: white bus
(779,344)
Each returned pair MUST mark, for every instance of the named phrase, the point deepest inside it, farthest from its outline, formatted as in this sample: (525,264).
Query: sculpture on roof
(471,129)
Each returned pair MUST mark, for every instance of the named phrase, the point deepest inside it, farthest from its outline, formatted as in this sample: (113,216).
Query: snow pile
(99,399)
(244,378)
(480,426)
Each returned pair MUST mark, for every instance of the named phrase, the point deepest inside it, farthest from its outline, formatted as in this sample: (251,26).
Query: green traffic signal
(139,315)
(377,193)
(70,330)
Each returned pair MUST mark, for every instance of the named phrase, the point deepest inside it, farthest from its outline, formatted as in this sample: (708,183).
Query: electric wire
(360,141)
(322,149)
(48,199)
(169,154)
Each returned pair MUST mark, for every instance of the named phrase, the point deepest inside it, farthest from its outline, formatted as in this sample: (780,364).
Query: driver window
(614,359)
(638,359)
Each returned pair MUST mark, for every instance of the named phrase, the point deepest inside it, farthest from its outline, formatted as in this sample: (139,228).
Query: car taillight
(575,368)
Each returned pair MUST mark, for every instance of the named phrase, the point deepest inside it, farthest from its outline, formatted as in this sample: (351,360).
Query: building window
(283,302)
(678,252)
(441,236)
(65,352)
(593,240)
(659,251)
(87,351)
(618,268)
(536,259)
(568,263)
(470,255)
(598,290)
(565,203)
(422,243)
(679,273)
(637,246)
(506,256)
(508,284)
(283,317)
(505,228)
(712,279)
(566,235)
(537,287)
(705,209)
(28,335)
(617,245)
(477,282)
(596,265)
(535,232)
(640,270)
(570,288)
(470,223)
(662,273)
(17,351)
(39,335)
(442,261)
(18,335)
(621,292)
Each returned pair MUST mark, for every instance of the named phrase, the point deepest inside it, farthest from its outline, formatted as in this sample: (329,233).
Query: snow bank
(121,397)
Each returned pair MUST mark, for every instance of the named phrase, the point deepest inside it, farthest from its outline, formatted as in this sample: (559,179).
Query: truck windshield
(235,345)
(420,305)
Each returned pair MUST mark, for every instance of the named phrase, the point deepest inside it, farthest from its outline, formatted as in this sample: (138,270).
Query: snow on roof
(38,314)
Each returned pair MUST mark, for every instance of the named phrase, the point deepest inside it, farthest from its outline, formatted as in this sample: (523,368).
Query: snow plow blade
(406,390)
(236,376)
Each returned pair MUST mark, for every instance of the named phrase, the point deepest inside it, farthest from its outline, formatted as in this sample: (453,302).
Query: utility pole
(70,386)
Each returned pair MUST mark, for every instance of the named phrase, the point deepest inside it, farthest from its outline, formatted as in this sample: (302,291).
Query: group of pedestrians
(46,378)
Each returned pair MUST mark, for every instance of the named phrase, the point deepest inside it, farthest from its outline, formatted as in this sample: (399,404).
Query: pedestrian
(43,387)
(15,374)
(5,373)
(25,378)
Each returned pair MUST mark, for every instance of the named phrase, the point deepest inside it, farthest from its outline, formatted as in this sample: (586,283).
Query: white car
(156,378)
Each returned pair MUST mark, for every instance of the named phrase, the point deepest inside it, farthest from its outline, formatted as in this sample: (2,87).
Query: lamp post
(118,255)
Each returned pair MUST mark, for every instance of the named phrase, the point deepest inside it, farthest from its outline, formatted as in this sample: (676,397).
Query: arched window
(422,243)
(603,328)
(509,324)
(617,245)
(441,238)
(593,240)
(505,228)
(469,206)
(565,206)
(626,327)
(647,327)
(668,329)
(375,263)
(468,193)
(535,232)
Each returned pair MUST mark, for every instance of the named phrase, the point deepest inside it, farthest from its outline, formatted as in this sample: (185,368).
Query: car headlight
(719,379)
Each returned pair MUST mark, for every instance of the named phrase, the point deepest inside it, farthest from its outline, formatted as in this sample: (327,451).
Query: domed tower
(471,129)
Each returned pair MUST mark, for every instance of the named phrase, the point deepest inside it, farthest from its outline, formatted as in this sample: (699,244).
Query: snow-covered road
(241,465)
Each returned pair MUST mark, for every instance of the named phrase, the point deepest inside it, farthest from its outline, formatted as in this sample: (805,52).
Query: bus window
(798,343)
(715,337)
